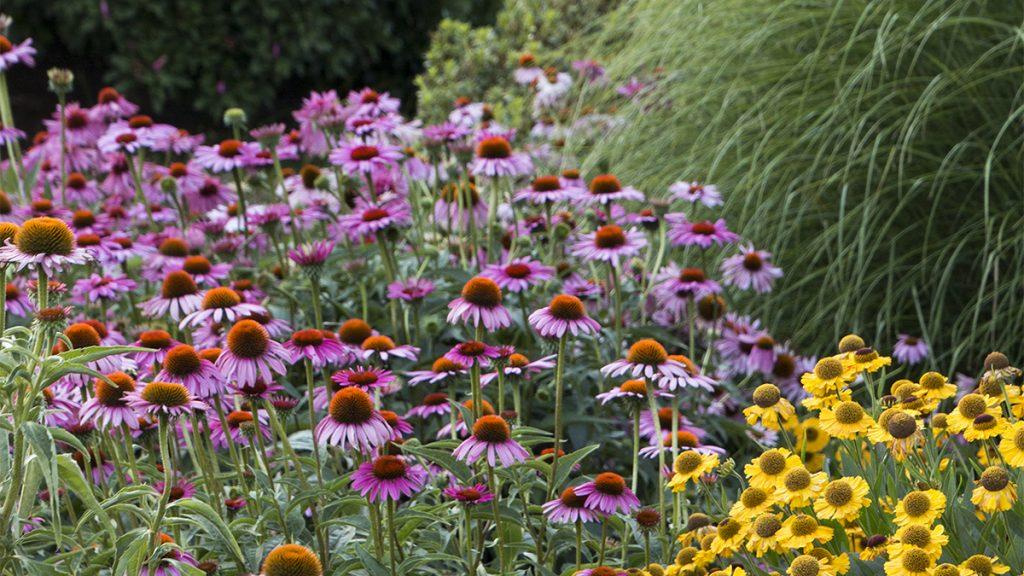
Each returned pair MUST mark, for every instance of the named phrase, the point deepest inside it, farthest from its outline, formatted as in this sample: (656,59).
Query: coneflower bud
(234,118)
(61,80)
(996,361)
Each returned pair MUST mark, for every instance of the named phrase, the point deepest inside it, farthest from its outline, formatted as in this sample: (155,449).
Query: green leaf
(71,476)
(371,564)
(567,462)
(212,523)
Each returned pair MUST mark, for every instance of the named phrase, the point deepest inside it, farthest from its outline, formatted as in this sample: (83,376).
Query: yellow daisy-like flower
(815,403)
(846,420)
(874,547)
(904,434)
(800,487)
(810,437)
(984,427)
(970,407)
(913,562)
(920,507)
(1011,447)
(801,531)
(995,492)
(931,540)
(910,397)
(764,534)
(689,466)
(828,377)
(697,527)
(865,360)
(981,565)
(946,570)
(935,386)
(836,564)
(752,502)
(769,408)
(768,469)
(730,571)
(729,537)
(706,555)
(842,499)
(807,565)
(687,559)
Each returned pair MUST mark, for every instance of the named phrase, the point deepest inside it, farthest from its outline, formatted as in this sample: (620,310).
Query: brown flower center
(493,148)
(82,335)
(354,332)
(221,297)
(491,429)
(389,467)
(546,184)
(113,395)
(45,236)
(156,339)
(610,483)
(364,153)
(482,292)
(182,360)
(609,236)
(648,352)
(229,148)
(379,344)
(772,462)
(168,394)
(291,560)
(248,339)
(351,405)
(605,184)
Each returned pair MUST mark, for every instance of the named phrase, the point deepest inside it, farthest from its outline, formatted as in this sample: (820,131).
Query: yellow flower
(836,564)
(846,420)
(752,502)
(946,570)
(828,399)
(810,437)
(730,571)
(801,531)
(935,386)
(981,565)
(767,470)
(911,397)
(931,540)
(800,487)
(770,408)
(984,427)
(970,407)
(696,528)
(729,537)
(874,547)
(865,360)
(920,507)
(689,466)
(827,378)
(764,534)
(807,565)
(995,492)
(687,559)
(913,562)
(842,499)
(1012,445)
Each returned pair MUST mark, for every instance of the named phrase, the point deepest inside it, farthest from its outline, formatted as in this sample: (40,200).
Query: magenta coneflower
(519,366)
(366,378)
(179,296)
(111,105)
(352,422)
(359,158)
(318,346)
(472,353)
(204,272)
(609,243)
(220,304)
(241,427)
(251,355)
(383,348)
(910,349)
(108,407)
(694,192)
(606,188)
(388,478)
(469,495)
(171,561)
(181,488)
(227,156)
(684,440)
(400,428)
(160,341)
(519,274)
(460,206)
(313,254)
(164,398)
(544,190)
(433,404)
(603,570)
(18,302)
(184,365)
(96,288)
(210,194)
(494,157)
(411,289)
(11,53)
(569,508)
(631,390)
(442,369)
(565,314)
(46,242)
(480,303)
(608,494)
(493,438)
(369,218)
(683,232)
(648,358)
(649,430)
(750,269)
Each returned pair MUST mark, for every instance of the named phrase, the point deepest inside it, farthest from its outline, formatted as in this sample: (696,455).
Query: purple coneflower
(563,315)
(750,269)
(706,194)
(683,232)
(18,302)
(442,369)
(318,346)
(569,508)
(204,272)
(388,477)
(210,194)
(45,242)
(606,188)
(518,275)
(241,427)
(469,495)
(647,357)
(251,355)
(220,304)
(383,348)
(369,218)
(910,349)
(166,398)
(608,494)
(313,254)
(357,157)
(472,353)
(366,378)
(108,407)
(631,390)
(184,365)
(181,488)
(160,341)
(494,157)
(400,428)
(480,303)
(227,156)
(179,296)
(410,290)
(544,190)
(11,53)
(493,438)
(352,422)
(519,366)
(96,288)
(433,404)
(609,243)
(172,558)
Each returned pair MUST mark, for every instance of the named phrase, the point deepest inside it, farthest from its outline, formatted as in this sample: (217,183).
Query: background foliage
(189,59)
(875,146)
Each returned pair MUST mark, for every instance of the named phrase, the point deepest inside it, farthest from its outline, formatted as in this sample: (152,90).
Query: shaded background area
(186,61)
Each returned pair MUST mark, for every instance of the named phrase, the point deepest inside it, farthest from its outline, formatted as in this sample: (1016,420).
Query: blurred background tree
(188,60)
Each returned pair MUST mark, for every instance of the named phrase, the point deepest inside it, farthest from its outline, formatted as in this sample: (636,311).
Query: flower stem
(559,371)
